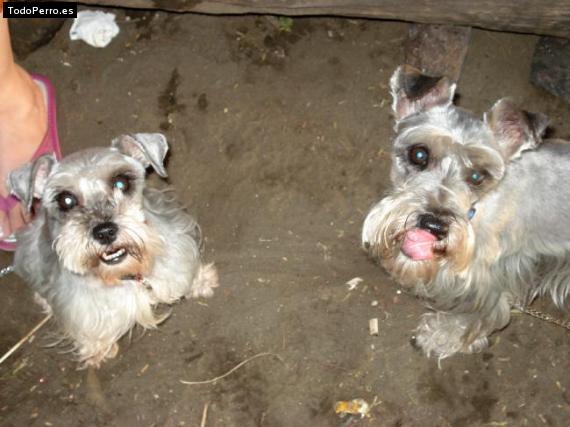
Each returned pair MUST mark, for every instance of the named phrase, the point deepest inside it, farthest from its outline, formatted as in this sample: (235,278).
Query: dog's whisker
(406,220)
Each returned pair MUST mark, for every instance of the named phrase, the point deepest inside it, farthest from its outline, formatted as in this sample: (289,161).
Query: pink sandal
(50,144)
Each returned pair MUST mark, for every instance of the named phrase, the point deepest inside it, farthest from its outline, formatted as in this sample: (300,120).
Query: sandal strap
(8,203)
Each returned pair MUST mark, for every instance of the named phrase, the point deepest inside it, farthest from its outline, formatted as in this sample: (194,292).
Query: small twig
(23,340)
(235,368)
(204,415)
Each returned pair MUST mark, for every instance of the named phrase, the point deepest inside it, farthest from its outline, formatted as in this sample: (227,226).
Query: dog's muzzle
(114,256)
(420,243)
(105,234)
(434,225)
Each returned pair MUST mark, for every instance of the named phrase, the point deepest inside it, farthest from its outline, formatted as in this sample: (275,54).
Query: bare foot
(23,124)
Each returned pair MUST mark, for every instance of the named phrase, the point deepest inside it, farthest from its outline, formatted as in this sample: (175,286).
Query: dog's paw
(42,302)
(205,282)
(95,360)
(443,335)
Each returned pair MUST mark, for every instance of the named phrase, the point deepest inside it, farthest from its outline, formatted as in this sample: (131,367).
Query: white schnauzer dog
(103,250)
(477,218)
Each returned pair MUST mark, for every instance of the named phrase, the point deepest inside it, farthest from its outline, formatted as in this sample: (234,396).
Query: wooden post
(437,50)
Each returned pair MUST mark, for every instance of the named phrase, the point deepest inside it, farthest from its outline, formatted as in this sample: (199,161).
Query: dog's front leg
(92,354)
(204,283)
(445,333)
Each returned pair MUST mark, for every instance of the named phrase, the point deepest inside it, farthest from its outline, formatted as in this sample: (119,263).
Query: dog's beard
(130,256)
(386,227)
(138,258)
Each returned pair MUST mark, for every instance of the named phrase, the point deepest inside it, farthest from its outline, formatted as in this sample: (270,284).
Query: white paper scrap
(95,28)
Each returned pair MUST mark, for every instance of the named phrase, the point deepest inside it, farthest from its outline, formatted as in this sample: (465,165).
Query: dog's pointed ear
(29,181)
(413,91)
(148,148)
(515,130)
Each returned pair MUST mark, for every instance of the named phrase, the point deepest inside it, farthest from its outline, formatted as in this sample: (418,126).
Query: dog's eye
(122,182)
(476,177)
(66,201)
(419,156)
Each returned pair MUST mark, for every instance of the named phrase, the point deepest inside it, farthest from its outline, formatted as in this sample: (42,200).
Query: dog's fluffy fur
(495,199)
(103,250)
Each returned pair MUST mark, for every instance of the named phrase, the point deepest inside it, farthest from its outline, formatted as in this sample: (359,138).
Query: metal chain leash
(6,270)
(543,316)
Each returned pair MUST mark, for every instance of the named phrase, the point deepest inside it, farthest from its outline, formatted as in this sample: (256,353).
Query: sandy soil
(280,145)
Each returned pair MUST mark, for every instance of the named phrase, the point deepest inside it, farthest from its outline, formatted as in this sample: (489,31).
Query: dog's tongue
(418,244)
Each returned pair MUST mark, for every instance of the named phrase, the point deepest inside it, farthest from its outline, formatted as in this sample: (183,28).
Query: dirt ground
(280,144)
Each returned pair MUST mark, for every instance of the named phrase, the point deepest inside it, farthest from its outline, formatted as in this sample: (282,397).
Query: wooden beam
(548,17)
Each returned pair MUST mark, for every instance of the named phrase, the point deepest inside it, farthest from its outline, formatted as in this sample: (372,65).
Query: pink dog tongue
(418,244)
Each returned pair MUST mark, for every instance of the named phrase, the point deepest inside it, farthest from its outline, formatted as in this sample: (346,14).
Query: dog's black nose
(106,232)
(434,225)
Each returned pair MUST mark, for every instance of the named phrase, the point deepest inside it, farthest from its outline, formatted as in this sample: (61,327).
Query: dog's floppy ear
(413,91)
(515,130)
(148,148)
(29,180)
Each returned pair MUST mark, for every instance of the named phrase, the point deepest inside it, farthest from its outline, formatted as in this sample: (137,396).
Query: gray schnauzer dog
(477,219)
(103,250)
